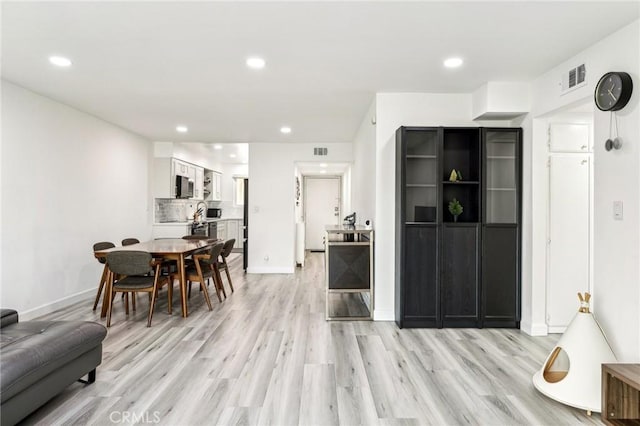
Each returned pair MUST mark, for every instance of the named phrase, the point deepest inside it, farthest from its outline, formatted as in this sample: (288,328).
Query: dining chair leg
(170,294)
(226,269)
(126,303)
(103,280)
(203,288)
(110,304)
(133,300)
(216,287)
(218,279)
(154,294)
(106,296)
(189,291)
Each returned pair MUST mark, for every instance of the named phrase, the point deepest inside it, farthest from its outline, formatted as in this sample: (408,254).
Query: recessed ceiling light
(453,62)
(218,147)
(232,155)
(60,61)
(323,164)
(256,63)
(182,129)
(285,129)
(323,171)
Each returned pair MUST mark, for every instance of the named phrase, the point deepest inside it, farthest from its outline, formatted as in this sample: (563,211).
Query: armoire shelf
(463,273)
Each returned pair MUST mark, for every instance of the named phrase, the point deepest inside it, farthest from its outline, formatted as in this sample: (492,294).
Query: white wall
(272,201)
(616,177)
(394,110)
(363,194)
(228,188)
(73,180)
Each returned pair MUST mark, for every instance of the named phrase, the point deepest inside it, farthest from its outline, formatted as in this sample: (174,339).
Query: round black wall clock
(613,91)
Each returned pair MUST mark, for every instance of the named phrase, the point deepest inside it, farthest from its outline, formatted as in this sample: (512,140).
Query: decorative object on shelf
(455,208)
(613,91)
(455,176)
(572,372)
(297,191)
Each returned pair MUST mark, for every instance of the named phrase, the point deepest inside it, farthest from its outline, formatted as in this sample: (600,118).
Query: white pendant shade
(572,372)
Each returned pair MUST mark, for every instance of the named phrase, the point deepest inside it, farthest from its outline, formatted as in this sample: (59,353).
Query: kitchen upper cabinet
(198,187)
(164,177)
(216,186)
(181,167)
(212,186)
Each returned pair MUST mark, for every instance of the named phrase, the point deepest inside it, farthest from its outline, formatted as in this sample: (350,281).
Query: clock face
(613,91)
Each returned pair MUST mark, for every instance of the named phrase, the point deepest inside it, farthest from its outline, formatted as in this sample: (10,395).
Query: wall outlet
(617,210)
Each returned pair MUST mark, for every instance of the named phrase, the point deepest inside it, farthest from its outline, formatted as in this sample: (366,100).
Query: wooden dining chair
(130,241)
(222,263)
(133,268)
(205,267)
(102,245)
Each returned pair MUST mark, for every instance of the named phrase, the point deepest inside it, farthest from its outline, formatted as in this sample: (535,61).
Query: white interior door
(569,236)
(321,207)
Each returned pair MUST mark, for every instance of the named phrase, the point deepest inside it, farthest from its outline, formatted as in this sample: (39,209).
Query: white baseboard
(534,329)
(379,315)
(47,308)
(556,329)
(270,270)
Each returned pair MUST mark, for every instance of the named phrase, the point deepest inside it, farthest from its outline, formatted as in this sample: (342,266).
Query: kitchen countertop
(189,222)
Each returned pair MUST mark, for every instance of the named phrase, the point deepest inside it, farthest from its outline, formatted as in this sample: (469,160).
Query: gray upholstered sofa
(38,359)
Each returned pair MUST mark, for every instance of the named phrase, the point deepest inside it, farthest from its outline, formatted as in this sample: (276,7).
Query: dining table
(176,249)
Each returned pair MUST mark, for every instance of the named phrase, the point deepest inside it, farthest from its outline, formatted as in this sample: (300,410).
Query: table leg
(183,286)
(106,294)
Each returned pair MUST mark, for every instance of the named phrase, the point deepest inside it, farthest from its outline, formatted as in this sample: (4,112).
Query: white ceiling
(149,66)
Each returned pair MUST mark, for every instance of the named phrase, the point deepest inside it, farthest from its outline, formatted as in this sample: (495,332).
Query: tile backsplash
(173,210)
(176,210)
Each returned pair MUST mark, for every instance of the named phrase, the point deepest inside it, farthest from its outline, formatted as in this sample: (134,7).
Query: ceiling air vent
(572,79)
(320,151)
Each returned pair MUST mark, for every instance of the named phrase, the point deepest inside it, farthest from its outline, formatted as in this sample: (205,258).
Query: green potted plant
(455,208)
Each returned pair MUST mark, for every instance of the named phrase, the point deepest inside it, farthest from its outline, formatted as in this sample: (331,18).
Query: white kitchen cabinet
(212,186)
(216,186)
(198,186)
(181,167)
(164,181)
(232,230)
(171,230)
(164,177)
(222,229)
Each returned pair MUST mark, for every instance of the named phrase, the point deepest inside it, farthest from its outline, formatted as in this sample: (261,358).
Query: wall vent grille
(320,151)
(574,78)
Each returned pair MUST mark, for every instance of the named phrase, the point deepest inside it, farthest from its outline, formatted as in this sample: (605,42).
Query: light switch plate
(617,210)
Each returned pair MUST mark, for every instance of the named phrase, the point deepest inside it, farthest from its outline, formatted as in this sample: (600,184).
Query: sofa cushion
(31,350)
(8,317)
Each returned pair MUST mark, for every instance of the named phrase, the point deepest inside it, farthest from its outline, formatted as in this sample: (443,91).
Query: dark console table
(349,272)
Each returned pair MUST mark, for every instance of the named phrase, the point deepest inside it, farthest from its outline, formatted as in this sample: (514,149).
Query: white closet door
(568,250)
(564,137)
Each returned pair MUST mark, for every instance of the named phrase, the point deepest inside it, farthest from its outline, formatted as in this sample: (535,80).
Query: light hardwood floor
(267,356)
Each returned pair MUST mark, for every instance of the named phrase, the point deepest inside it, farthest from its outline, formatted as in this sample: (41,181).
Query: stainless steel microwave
(184,187)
